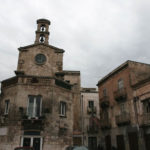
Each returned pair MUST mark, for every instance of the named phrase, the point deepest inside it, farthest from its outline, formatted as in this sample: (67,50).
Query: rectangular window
(105,114)
(122,108)
(62,109)
(32,141)
(34,106)
(146,106)
(120,84)
(104,92)
(6,107)
(91,104)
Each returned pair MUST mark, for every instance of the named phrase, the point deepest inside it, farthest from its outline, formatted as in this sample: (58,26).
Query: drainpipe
(82,120)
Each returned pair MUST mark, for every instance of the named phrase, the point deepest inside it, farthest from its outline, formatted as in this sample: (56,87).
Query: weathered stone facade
(73,77)
(118,115)
(90,115)
(37,105)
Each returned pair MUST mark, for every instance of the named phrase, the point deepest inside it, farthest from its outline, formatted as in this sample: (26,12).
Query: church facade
(37,104)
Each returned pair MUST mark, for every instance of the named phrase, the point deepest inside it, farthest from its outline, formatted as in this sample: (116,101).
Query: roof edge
(68,72)
(122,66)
(43,20)
(58,50)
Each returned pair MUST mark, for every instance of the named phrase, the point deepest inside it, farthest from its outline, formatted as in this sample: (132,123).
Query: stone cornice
(57,50)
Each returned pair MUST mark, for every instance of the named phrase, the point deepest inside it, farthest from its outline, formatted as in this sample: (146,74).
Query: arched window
(43,28)
(42,38)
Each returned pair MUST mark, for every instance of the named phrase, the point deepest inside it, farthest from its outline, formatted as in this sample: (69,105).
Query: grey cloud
(97,35)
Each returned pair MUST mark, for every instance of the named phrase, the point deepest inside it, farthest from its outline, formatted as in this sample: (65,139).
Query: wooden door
(120,142)
(92,143)
(36,143)
(133,140)
(77,141)
(108,142)
(147,141)
(27,142)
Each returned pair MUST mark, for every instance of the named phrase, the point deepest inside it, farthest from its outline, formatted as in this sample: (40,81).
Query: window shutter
(66,107)
(59,107)
(38,105)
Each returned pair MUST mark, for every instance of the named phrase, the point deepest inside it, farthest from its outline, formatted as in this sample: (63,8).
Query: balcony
(92,129)
(32,123)
(105,123)
(123,119)
(104,102)
(120,95)
(146,119)
(91,110)
(63,84)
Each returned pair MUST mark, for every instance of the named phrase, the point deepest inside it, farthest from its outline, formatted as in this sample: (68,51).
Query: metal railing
(123,119)
(92,129)
(104,101)
(105,123)
(91,110)
(120,94)
(146,118)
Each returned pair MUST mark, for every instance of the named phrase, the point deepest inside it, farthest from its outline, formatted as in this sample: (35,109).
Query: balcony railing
(105,123)
(104,101)
(91,110)
(123,119)
(146,119)
(92,129)
(63,84)
(120,94)
(36,123)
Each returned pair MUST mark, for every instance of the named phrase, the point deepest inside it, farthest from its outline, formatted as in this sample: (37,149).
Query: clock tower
(40,58)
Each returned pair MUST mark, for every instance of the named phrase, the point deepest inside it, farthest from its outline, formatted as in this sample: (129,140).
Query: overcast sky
(97,35)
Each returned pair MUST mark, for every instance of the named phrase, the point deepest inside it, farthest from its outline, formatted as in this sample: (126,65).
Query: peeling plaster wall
(86,97)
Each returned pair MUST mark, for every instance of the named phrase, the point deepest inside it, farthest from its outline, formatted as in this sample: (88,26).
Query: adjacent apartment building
(90,117)
(125,106)
(37,104)
(142,109)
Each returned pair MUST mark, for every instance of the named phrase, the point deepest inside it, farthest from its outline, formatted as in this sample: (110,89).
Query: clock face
(40,58)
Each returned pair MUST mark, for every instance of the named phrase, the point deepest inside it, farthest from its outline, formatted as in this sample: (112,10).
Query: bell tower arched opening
(42,32)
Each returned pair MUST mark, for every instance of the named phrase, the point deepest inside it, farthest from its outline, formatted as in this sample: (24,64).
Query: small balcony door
(34,106)
(147,141)
(108,142)
(92,143)
(35,142)
(120,142)
(133,140)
